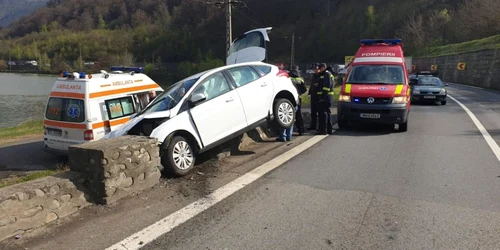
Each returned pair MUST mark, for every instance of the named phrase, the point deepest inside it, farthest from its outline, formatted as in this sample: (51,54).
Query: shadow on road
(366,130)
(24,158)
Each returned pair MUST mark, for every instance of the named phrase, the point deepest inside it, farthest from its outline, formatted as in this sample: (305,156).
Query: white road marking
(165,225)
(493,145)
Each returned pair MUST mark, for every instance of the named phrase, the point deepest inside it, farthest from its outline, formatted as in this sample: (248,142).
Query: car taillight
(282,73)
(88,135)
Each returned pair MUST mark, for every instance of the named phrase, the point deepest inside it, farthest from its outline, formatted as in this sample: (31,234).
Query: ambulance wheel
(403,127)
(342,124)
(284,113)
(179,157)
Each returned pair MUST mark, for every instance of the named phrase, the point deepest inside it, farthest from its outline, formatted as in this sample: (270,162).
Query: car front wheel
(284,113)
(179,157)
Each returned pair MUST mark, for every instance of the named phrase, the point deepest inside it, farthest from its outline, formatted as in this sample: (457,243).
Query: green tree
(371,18)
(101,24)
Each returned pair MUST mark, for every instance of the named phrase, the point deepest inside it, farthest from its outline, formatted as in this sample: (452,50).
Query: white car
(207,109)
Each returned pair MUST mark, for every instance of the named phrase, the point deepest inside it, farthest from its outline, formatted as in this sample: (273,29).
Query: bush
(3,65)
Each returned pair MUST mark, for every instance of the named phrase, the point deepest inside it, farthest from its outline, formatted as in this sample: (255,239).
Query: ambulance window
(66,110)
(120,107)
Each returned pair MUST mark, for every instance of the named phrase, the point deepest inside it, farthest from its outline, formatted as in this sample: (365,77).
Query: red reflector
(282,73)
(88,135)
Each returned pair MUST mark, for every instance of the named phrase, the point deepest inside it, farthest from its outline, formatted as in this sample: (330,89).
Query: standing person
(298,81)
(314,99)
(325,94)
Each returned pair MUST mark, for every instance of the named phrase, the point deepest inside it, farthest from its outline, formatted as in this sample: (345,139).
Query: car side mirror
(197,98)
(413,82)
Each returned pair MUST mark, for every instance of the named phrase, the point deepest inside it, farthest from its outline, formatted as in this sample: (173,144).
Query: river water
(23,97)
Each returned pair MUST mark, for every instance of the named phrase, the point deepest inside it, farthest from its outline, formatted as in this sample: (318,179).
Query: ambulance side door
(120,110)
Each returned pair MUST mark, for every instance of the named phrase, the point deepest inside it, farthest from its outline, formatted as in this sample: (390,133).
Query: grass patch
(32,176)
(306,99)
(492,42)
(27,128)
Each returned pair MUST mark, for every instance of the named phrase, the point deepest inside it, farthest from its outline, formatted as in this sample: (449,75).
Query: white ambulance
(84,108)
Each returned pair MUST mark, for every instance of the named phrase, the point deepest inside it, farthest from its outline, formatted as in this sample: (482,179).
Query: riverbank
(30,128)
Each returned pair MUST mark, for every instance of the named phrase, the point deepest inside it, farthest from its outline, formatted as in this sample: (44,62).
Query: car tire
(403,127)
(342,124)
(443,102)
(284,113)
(179,157)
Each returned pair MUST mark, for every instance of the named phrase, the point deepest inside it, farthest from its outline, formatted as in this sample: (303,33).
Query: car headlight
(344,98)
(442,92)
(400,99)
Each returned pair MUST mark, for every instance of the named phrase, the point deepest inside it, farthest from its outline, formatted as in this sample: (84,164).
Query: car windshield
(376,74)
(429,81)
(172,96)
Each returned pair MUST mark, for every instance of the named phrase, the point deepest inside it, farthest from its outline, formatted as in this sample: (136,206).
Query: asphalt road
(26,156)
(434,187)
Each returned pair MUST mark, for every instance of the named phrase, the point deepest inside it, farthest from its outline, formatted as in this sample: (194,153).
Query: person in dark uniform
(298,81)
(314,99)
(325,92)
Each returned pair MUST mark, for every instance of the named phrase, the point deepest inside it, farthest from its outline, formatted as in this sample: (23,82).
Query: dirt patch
(20,139)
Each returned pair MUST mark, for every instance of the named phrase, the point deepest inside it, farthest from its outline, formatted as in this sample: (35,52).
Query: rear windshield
(377,74)
(65,110)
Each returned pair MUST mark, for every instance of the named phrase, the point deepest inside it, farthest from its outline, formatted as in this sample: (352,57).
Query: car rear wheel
(284,113)
(443,102)
(179,157)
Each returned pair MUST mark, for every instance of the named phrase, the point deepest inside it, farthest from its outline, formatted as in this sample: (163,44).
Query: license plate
(371,116)
(54,133)
(430,97)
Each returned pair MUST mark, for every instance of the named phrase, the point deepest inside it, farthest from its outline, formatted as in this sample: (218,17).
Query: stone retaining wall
(482,68)
(117,167)
(36,203)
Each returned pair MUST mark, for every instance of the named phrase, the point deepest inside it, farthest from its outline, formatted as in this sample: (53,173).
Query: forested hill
(11,10)
(187,30)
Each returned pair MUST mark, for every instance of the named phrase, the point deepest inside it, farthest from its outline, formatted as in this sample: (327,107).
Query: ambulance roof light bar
(379,41)
(126,68)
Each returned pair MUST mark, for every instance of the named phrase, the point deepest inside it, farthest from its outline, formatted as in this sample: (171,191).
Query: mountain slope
(110,31)
(11,10)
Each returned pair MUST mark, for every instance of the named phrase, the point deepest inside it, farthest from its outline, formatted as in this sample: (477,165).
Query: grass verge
(27,128)
(492,42)
(32,176)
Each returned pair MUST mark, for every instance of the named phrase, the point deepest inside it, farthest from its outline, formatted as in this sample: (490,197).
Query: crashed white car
(215,106)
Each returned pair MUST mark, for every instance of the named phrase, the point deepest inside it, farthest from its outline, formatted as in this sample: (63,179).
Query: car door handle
(230,99)
(263,84)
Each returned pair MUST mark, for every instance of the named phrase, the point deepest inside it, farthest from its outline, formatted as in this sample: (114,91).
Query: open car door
(249,47)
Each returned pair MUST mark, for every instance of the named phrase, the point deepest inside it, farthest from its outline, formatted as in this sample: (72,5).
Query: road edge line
(489,140)
(168,223)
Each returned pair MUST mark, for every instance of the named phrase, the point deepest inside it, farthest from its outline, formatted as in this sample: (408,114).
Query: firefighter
(325,92)
(314,99)
(298,81)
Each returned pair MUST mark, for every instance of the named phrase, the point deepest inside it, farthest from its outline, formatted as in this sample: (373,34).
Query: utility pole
(229,25)
(292,56)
